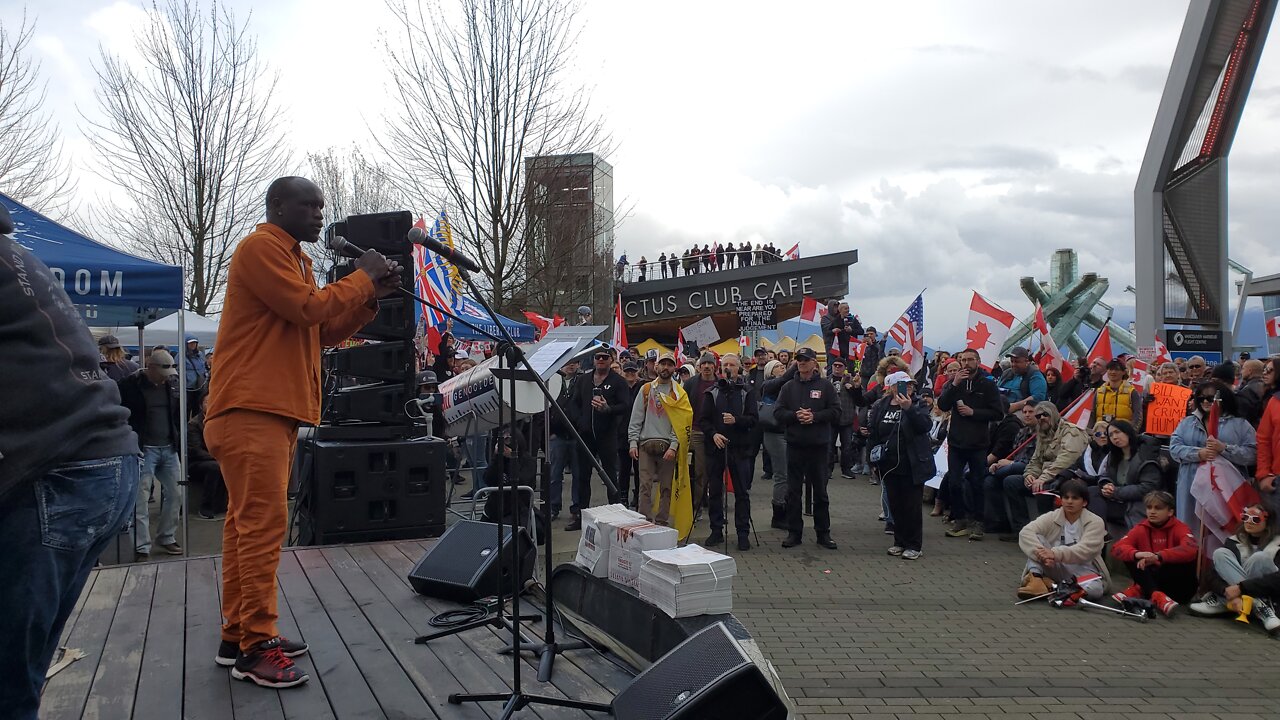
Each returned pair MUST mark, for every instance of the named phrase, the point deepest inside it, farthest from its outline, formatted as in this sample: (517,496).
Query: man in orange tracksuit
(274,321)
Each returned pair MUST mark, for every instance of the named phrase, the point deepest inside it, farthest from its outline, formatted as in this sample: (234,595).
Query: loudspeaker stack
(367,473)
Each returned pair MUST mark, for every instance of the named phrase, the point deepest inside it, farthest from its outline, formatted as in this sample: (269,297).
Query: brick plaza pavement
(856,633)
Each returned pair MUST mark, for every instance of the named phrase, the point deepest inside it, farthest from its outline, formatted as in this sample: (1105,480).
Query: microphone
(418,236)
(339,245)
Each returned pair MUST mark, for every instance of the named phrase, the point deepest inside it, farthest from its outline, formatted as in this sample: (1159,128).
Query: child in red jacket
(1161,554)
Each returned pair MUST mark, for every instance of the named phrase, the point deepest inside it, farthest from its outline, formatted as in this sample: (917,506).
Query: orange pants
(255,451)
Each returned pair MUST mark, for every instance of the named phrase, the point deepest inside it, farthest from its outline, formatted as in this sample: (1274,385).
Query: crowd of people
(698,260)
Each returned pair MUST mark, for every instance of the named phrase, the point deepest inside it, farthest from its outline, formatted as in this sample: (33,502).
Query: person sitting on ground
(1093,461)
(1160,553)
(1191,445)
(1006,473)
(1065,544)
(1058,445)
(1132,470)
(1246,565)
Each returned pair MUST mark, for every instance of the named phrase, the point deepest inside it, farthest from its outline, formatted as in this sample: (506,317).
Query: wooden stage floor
(150,633)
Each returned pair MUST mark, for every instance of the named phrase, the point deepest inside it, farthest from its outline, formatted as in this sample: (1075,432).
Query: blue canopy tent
(109,286)
(472,312)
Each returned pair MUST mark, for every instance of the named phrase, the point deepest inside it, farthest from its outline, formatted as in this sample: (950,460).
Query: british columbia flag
(432,281)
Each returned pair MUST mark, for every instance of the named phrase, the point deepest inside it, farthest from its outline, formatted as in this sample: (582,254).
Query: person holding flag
(1212,430)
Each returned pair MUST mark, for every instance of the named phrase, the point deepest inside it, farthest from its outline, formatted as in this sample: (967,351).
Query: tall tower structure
(569,202)
(1180,201)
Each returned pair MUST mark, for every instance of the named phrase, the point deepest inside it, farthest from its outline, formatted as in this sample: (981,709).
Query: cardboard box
(598,529)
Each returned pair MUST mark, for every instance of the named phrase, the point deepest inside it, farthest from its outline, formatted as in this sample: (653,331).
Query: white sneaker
(1266,612)
(895,550)
(912,554)
(1209,605)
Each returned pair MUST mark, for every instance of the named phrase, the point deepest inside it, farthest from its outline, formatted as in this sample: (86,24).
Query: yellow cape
(680,411)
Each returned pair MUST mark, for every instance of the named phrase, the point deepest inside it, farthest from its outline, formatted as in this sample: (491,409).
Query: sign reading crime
(1167,409)
(757,314)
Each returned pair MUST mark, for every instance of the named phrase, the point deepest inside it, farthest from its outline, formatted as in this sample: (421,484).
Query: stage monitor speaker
(463,564)
(386,232)
(707,677)
(386,361)
(377,490)
(375,403)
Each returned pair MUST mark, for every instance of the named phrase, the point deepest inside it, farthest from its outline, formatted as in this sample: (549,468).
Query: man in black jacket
(871,355)
(151,394)
(849,394)
(974,403)
(596,403)
(564,448)
(627,467)
(697,387)
(807,407)
(727,420)
(68,467)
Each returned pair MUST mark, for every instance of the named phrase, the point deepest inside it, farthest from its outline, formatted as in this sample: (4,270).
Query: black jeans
(995,506)
(605,449)
(740,472)
(965,488)
(626,470)
(213,495)
(807,463)
(843,434)
(1016,494)
(1177,580)
(905,507)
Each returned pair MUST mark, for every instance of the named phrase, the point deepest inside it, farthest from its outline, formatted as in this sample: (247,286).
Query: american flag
(909,333)
(432,281)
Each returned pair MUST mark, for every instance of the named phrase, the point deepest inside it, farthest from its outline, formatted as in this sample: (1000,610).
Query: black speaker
(389,361)
(385,232)
(463,564)
(707,677)
(395,319)
(376,403)
(362,491)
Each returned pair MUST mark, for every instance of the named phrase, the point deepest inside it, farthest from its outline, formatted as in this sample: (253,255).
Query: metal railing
(699,264)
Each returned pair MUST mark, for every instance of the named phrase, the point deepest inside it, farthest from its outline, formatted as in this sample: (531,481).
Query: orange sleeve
(344,326)
(275,276)
(1266,436)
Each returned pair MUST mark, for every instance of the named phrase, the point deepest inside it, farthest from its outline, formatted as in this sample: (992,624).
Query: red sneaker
(266,665)
(1133,591)
(1166,604)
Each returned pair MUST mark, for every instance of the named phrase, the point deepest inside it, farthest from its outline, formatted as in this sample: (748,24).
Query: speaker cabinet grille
(463,564)
(707,677)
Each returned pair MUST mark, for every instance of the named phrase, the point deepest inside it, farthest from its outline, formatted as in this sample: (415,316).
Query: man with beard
(654,442)
(727,419)
(697,388)
(597,402)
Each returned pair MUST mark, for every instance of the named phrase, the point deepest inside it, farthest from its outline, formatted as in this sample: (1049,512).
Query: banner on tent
(757,314)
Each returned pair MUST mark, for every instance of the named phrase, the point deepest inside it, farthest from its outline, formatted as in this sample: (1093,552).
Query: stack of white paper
(627,547)
(599,527)
(688,581)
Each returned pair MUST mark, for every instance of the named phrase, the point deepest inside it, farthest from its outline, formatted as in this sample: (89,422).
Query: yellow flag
(680,412)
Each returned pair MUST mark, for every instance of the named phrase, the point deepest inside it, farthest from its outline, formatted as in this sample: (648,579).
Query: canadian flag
(1051,356)
(1273,326)
(1221,493)
(680,347)
(557,321)
(1102,347)
(744,341)
(1162,351)
(543,324)
(811,311)
(794,252)
(619,329)
(1139,374)
(989,326)
(1080,413)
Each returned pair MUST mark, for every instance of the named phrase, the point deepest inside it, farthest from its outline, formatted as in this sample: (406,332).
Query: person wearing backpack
(727,420)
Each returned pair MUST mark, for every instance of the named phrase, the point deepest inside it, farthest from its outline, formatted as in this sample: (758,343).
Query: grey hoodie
(647,425)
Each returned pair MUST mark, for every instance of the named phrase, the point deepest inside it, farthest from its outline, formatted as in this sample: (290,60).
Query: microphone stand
(517,698)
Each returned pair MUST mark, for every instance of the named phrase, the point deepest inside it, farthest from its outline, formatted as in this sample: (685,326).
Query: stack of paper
(628,545)
(688,581)
(599,527)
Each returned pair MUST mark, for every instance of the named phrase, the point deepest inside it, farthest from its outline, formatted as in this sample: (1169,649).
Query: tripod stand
(517,698)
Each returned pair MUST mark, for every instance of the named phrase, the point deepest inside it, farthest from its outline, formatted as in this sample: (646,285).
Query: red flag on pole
(1273,326)
(1102,347)
(809,310)
(1051,355)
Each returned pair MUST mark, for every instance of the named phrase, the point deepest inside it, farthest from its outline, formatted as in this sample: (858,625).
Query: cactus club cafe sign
(820,276)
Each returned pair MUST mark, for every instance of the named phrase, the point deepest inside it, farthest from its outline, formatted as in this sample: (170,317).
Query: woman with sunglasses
(1132,470)
(1191,445)
(1249,556)
(1092,463)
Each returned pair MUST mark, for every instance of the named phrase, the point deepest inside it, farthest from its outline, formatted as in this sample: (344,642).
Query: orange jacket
(1269,439)
(274,321)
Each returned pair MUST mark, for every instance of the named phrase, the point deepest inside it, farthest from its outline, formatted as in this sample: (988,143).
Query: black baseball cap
(1019,352)
(629,367)
(805,353)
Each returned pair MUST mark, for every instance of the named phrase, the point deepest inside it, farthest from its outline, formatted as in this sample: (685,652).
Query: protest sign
(701,334)
(756,314)
(1167,409)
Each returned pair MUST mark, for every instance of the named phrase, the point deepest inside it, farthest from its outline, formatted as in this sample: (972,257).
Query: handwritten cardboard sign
(1167,409)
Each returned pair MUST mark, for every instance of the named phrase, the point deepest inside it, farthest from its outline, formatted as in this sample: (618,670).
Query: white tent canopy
(165,330)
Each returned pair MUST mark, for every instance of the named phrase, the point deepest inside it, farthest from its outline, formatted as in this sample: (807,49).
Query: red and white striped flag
(1221,493)
(811,311)
(1080,413)
(794,252)
(619,328)
(908,332)
(989,325)
(1052,354)
(1273,326)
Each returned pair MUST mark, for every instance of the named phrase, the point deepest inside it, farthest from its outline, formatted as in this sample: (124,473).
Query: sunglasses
(1194,367)
(1207,398)
(1042,415)
(604,357)
(1247,516)
(1097,434)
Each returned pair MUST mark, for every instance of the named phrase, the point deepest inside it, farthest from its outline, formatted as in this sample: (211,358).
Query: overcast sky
(954,144)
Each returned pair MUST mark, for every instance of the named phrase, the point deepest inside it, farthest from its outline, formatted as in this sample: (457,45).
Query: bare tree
(33,170)
(190,136)
(483,88)
(352,184)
